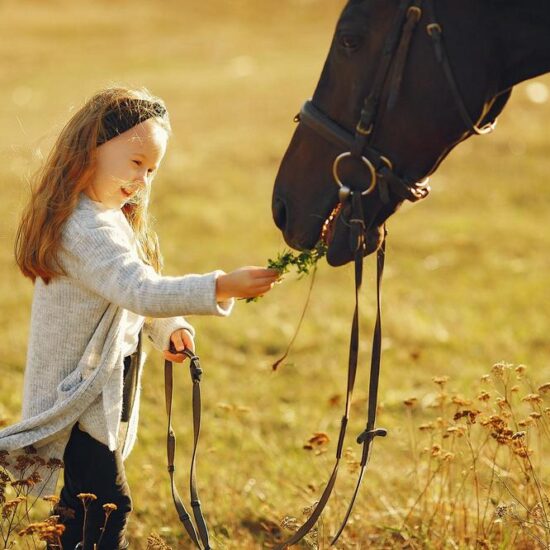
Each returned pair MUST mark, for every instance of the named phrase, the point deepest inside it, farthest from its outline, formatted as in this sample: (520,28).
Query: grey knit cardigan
(74,368)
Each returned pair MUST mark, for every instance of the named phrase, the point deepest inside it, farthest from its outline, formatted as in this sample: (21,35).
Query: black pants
(90,467)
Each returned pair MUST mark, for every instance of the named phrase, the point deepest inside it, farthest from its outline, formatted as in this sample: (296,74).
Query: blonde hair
(67,171)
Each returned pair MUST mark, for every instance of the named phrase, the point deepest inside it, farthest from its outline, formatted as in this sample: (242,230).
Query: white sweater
(134,322)
(75,355)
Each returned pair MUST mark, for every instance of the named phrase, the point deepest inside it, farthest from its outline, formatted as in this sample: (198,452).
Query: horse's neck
(522,32)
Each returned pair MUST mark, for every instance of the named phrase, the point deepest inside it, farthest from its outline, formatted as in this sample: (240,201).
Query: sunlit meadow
(466,288)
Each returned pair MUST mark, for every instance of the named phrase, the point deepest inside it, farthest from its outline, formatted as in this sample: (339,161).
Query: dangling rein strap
(370,432)
(196,372)
(366,437)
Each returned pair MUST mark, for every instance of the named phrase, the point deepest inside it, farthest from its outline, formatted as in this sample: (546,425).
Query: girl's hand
(246,282)
(180,339)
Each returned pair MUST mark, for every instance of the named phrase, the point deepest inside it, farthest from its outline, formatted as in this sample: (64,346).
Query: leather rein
(185,518)
(383,179)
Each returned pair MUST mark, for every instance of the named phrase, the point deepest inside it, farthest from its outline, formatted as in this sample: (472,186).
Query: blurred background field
(468,271)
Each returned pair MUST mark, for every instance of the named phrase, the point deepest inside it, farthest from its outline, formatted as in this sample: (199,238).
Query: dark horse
(405,81)
(401,106)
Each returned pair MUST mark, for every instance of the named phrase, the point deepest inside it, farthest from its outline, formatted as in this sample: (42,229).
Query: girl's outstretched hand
(180,339)
(245,282)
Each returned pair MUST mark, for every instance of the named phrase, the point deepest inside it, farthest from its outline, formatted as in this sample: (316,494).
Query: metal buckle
(363,131)
(484,130)
(366,162)
(417,12)
(434,27)
(423,184)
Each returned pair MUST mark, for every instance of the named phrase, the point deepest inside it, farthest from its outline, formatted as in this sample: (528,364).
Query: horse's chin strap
(358,231)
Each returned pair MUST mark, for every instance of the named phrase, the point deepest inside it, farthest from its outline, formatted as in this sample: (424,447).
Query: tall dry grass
(477,473)
(476,476)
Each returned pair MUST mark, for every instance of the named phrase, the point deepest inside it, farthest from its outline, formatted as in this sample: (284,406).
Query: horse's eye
(350,42)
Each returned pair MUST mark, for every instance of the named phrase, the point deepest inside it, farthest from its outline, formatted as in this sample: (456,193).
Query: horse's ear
(496,107)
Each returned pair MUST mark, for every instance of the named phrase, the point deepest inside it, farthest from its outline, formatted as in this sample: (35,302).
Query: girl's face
(126,164)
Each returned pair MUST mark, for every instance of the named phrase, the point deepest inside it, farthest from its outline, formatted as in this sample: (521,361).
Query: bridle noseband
(382,178)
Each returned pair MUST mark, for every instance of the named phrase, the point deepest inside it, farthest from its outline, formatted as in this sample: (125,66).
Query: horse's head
(385,86)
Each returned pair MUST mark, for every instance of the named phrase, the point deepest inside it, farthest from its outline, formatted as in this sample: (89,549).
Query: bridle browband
(382,178)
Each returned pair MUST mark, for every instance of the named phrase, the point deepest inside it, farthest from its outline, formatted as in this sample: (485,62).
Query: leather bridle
(358,144)
(382,178)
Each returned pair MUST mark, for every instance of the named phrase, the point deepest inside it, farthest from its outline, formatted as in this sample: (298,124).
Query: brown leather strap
(414,13)
(435,31)
(196,373)
(357,235)
(370,432)
(184,516)
(369,110)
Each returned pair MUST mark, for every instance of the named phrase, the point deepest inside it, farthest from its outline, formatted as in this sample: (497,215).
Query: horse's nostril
(279,213)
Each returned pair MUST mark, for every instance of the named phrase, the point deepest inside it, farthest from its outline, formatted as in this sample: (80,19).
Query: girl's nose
(142,179)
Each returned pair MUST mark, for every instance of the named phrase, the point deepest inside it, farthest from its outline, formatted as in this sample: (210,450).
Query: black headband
(127,114)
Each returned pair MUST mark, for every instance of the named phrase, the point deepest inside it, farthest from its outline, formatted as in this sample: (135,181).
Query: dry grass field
(467,286)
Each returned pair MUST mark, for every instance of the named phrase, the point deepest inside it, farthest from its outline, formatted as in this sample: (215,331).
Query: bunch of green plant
(304,262)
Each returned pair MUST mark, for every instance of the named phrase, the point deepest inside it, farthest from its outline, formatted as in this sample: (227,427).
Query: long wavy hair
(67,171)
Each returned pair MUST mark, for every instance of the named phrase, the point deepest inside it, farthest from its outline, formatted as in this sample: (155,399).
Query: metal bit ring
(366,162)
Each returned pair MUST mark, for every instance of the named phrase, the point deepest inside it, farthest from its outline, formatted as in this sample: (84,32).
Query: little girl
(85,242)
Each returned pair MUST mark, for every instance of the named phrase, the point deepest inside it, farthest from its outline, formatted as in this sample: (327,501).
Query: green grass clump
(303,261)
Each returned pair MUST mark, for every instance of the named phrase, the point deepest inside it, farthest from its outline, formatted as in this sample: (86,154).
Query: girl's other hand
(245,282)
(180,339)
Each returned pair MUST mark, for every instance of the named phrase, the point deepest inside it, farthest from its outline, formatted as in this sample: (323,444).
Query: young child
(85,242)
